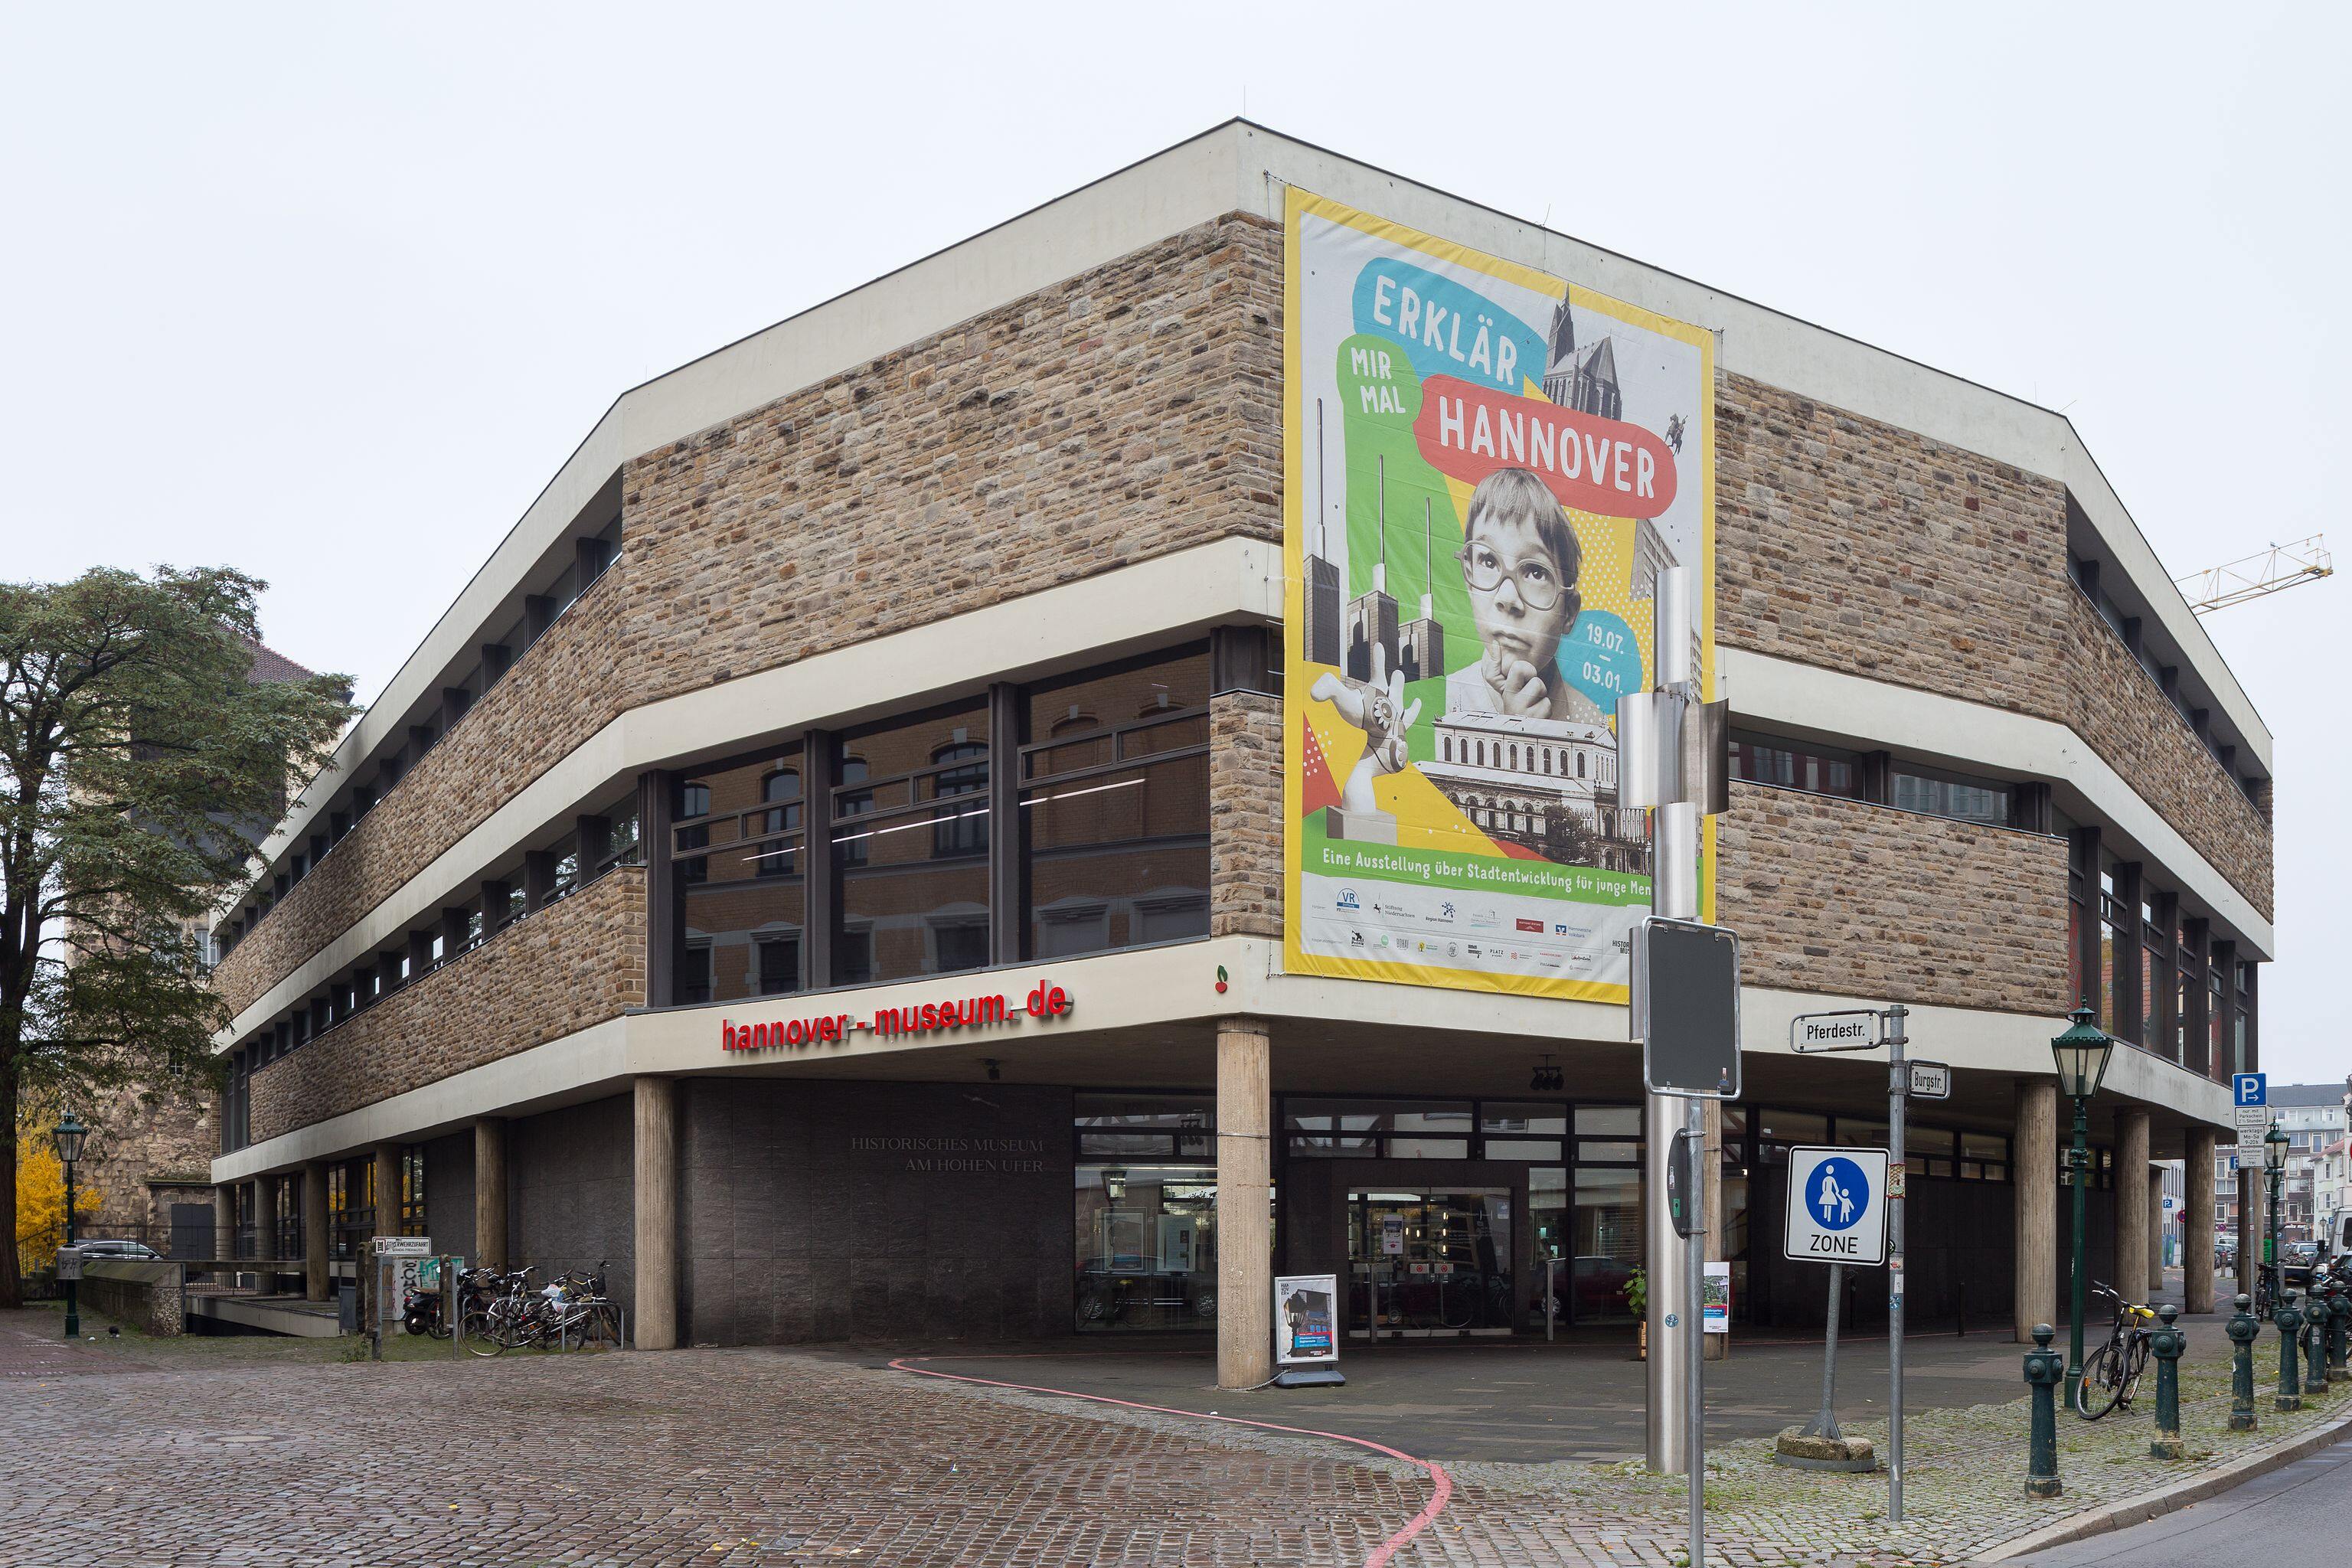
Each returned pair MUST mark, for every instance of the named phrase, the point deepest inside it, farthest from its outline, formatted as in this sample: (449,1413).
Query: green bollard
(2290,1387)
(2166,1344)
(2339,1329)
(2045,1368)
(2243,1329)
(2315,1317)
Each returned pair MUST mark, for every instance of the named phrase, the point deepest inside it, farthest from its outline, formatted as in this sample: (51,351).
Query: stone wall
(1845,541)
(1839,896)
(559,692)
(145,1139)
(149,1297)
(1245,814)
(573,964)
(1126,413)
(2128,721)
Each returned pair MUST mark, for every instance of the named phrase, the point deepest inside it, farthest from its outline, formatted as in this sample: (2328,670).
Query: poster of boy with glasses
(1519,561)
(1523,755)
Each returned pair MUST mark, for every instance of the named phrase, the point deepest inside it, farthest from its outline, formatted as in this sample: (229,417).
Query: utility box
(347,1307)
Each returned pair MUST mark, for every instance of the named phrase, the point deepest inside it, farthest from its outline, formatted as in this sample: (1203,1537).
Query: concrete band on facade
(1050,452)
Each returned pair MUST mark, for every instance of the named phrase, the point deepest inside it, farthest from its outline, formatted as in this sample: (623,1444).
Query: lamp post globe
(2081,1055)
(70,1134)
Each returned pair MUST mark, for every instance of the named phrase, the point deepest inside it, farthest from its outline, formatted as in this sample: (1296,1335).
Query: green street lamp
(69,1134)
(2082,1054)
(2274,1148)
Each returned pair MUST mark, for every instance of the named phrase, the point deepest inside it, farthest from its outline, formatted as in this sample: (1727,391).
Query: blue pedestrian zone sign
(1837,1205)
(2251,1087)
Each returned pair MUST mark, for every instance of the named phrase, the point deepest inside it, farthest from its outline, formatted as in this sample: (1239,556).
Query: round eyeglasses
(1535,577)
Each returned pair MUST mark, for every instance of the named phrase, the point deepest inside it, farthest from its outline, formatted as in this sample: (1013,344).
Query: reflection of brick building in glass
(1544,784)
(1114,799)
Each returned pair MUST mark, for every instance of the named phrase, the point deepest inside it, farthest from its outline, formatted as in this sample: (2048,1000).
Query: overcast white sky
(329,294)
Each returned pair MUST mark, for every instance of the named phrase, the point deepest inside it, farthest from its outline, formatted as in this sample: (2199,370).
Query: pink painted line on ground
(1442,1483)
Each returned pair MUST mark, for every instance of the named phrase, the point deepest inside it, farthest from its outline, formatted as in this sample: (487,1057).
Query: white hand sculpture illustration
(1378,707)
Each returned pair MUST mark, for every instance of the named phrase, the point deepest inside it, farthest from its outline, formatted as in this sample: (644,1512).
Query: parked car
(2297,1258)
(110,1246)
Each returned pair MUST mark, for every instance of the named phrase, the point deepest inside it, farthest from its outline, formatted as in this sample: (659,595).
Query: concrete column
(385,1223)
(490,1192)
(657,1213)
(314,1231)
(2197,1222)
(225,1229)
(2131,1202)
(264,1225)
(2155,1232)
(1245,1236)
(2036,1179)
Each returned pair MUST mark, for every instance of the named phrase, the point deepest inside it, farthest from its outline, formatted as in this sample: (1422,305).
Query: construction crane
(2266,571)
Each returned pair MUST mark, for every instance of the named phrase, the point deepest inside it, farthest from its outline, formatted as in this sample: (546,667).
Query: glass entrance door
(1424,1262)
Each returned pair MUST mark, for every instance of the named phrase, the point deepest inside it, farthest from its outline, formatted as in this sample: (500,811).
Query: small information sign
(1715,1302)
(1854,1030)
(1305,1322)
(1930,1081)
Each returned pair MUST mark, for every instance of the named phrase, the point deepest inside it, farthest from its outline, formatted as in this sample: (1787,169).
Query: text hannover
(1045,1003)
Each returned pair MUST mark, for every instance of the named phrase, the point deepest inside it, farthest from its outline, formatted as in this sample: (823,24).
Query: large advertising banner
(1485,469)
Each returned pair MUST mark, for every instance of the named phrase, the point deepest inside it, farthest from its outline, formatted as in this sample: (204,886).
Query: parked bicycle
(572,1313)
(2111,1373)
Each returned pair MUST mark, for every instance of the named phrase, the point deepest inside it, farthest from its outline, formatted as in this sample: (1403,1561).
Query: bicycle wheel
(2135,1366)
(602,1330)
(479,1331)
(2102,1382)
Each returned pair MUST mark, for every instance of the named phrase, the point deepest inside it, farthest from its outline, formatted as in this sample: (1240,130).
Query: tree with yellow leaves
(41,1197)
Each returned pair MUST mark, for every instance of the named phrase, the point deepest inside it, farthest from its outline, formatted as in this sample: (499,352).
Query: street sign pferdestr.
(1836,1207)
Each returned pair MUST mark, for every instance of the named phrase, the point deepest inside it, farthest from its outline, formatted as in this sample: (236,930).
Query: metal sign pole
(1695,1335)
(1898,1090)
(1824,1422)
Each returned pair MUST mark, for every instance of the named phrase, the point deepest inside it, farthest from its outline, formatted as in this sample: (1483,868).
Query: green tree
(137,764)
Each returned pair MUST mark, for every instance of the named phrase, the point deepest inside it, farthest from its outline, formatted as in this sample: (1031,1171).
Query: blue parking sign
(2251,1087)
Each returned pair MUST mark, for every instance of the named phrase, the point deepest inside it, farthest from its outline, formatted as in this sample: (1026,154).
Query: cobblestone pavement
(259,1453)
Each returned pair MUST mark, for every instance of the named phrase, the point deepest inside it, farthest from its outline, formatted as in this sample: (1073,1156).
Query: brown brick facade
(1126,413)
(1853,544)
(1134,411)
(1245,814)
(573,964)
(562,689)
(1837,895)
(2118,711)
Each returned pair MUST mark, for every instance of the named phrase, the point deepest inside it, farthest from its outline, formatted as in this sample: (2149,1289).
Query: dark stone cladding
(814,1210)
(1130,412)
(572,1192)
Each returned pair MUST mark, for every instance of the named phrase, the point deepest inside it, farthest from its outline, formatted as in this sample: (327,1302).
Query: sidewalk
(259,1453)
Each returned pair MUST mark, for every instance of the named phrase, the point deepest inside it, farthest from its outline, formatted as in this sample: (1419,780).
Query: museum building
(828,862)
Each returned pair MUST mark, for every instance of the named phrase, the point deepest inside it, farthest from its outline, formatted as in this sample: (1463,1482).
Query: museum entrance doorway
(1429,1262)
